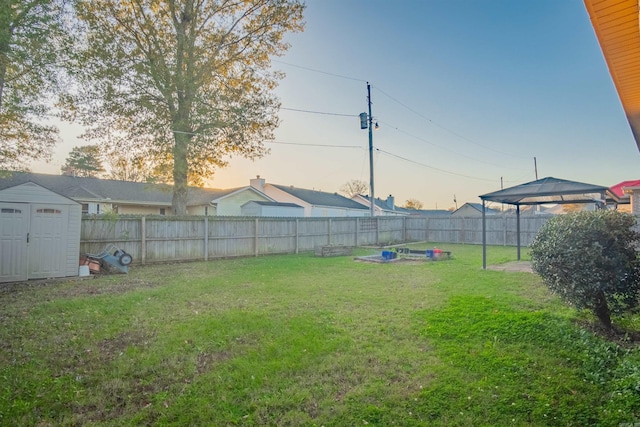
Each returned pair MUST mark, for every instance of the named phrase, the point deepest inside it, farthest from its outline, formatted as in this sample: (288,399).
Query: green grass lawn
(298,340)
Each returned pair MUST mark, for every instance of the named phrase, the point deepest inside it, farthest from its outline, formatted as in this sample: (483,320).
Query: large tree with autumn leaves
(187,81)
(33,46)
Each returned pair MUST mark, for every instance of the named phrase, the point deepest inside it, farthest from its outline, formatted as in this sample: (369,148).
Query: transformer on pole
(366,121)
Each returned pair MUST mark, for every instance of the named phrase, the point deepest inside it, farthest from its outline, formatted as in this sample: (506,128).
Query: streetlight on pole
(367,122)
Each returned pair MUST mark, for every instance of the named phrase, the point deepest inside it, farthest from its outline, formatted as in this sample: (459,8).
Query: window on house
(162,211)
(11,211)
(85,208)
(98,208)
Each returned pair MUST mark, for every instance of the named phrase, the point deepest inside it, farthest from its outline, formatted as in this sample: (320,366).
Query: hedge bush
(590,260)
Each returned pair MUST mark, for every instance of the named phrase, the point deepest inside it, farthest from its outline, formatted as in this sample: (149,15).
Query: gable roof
(478,207)
(320,198)
(550,190)
(31,192)
(114,191)
(618,189)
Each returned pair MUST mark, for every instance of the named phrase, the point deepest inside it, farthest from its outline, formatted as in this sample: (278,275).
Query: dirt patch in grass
(70,288)
(107,288)
(110,348)
(622,336)
(207,360)
(514,266)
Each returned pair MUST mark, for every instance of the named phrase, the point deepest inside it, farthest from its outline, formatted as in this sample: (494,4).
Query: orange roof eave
(617,29)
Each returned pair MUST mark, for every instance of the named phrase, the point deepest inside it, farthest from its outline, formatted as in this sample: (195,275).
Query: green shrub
(590,260)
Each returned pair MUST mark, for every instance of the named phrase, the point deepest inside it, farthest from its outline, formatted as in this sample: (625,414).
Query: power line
(443,127)
(401,104)
(318,71)
(314,145)
(432,167)
(318,112)
(444,148)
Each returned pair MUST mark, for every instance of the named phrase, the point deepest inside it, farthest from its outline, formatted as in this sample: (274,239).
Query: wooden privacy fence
(152,239)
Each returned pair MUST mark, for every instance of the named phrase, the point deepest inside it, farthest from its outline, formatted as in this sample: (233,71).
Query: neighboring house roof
(382,204)
(320,198)
(205,194)
(429,212)
(478,207)
(261,203)
(113,191)
(618,189)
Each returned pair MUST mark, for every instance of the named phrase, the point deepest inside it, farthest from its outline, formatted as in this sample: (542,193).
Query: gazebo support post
(518,228)
(484,237)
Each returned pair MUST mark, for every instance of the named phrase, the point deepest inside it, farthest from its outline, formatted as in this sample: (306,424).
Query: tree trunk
(601,309)
(180,174)
(3,68)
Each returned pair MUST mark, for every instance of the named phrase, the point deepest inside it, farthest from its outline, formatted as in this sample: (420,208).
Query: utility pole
(366,121)
(535,167)
(370,149)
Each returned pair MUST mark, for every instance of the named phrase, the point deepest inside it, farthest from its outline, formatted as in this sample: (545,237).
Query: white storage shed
(39,234)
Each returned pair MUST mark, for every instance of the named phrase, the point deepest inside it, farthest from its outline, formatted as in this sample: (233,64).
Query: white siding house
(315,203)
(272,209)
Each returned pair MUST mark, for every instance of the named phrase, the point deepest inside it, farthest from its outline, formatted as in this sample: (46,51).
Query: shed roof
(30,192)
(551,190)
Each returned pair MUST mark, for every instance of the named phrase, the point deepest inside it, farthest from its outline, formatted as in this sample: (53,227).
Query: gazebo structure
(543,191)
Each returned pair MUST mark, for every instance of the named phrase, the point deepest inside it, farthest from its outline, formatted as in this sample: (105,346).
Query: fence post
(329,225)
(404,229)
(143,239)
(206,238)
(256,238)
(426,230)
(504,238)
(297,235)
(357,230)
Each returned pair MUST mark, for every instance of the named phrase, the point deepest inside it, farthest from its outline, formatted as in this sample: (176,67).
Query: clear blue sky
(466,93)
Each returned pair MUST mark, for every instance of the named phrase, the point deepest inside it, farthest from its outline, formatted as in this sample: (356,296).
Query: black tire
(125,259)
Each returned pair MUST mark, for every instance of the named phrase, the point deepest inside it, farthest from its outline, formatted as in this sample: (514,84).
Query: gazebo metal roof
(545,190)
(551,190)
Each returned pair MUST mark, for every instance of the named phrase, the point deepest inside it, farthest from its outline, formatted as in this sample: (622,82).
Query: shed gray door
(33,241)
(14,226)
(48,241)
